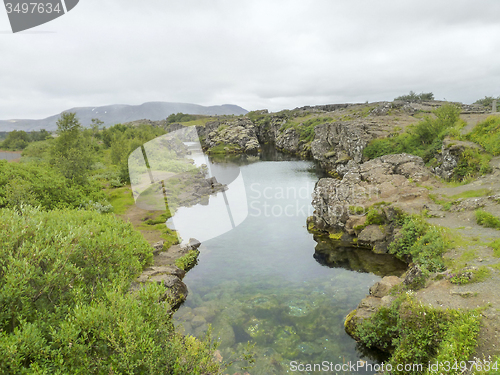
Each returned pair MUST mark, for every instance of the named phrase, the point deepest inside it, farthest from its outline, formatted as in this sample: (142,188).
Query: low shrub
(66,306)
(421,243)
(43,185)
(418,334)
(471,164)
(487,220)
(487,101)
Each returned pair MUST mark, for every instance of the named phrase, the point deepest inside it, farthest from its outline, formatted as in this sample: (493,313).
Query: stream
(269,282)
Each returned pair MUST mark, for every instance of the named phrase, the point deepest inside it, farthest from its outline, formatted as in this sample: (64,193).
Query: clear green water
(270,283)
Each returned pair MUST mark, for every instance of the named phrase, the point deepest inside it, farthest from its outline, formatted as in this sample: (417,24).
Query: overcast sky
(256,54)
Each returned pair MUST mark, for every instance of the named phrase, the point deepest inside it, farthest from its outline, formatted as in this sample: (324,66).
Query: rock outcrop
(234,136)
(166,274)
(448,159)
(339,204)
(379,297)
(335,144)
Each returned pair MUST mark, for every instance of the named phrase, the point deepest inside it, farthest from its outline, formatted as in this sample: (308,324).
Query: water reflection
(338,254)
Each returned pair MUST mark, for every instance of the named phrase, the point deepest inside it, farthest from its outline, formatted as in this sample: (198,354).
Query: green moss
(336,236)
(305,129)
(224,148)
(188,261)
(496,266)
(445,203)
(356,210)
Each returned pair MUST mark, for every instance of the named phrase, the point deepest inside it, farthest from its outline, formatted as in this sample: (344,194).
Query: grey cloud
(257,54)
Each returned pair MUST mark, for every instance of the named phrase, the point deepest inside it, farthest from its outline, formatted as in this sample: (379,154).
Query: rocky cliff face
(338,203)
(234,136)
(335,144)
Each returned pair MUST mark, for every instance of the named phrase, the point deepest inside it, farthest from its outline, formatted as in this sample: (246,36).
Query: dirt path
(137,216)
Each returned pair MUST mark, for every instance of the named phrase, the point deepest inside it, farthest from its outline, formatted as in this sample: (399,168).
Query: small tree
(71,153)
(413,97)
(96,125)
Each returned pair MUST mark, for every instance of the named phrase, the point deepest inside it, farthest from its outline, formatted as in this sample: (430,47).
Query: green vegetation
(71,152)
(472,194)
(495,245)
(45,186)
(180,117)
(336,236)
(413,97)
(19,139)
(472,163)
(305,129)
(487,134)
(423,139)
(416,334)
(487,220)
(487,101)
(447,202)
(224,148)
(422,243)
(121,140)
(66,308)
(66,267)
(188,261)
(487,366)
(121,199)
(471,276)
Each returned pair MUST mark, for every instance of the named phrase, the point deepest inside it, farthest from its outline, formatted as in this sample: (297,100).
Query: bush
(42,184)
(66,306)
(180,117)
(472,163)
(413,97)
(487,220)
(487,101)
(418,334)
(421,243)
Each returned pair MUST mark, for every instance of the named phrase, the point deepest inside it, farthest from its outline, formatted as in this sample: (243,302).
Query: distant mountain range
(120,113)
